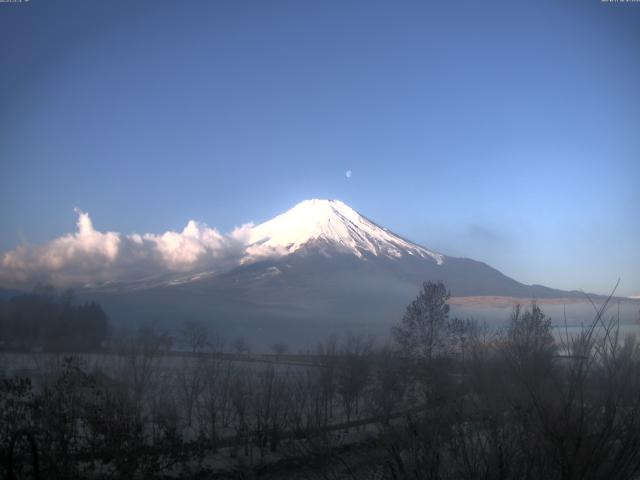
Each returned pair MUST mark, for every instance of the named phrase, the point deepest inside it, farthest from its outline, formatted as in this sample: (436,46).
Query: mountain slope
(322,234)
(320,261)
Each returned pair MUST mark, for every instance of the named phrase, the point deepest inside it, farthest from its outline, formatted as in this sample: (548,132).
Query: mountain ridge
(320,262)
(329,234)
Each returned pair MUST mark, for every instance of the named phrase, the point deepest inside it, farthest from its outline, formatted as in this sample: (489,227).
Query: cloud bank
(89,257)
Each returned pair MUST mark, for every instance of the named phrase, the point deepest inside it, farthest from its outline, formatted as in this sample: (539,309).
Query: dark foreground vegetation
(444,400)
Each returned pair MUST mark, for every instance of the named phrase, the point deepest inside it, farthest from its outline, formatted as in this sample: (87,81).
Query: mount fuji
(320,260)
(333,225)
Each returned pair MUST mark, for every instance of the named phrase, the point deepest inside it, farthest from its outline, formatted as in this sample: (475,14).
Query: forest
(50,320)
(444,398)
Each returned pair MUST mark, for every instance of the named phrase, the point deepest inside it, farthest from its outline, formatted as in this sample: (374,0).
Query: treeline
(446,399)
(50,320)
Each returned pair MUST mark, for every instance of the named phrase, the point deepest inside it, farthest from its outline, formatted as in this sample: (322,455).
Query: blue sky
(503,131)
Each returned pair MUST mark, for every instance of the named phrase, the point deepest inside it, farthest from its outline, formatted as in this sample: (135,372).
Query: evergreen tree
(423,331)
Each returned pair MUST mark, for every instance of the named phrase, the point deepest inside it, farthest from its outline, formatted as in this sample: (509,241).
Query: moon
(348,174)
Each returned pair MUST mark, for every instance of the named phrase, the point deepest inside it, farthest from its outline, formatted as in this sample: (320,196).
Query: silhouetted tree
(389,384)
(280,349)
(194,336)
(422,332)
(353,374)
(529,341)
(241,346)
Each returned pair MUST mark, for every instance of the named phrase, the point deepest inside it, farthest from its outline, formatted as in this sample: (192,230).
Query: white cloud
(89,256)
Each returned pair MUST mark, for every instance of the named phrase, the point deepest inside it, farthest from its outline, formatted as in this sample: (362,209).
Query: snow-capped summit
(334,223)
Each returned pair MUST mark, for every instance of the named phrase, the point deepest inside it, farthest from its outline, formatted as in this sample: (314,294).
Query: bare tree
(389,384)
(271,400)
(194,336)
(353,374)
(240,346)
(240,396)
(142,355)
(190,379)
(215,407)
(327,358)
(280,349)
